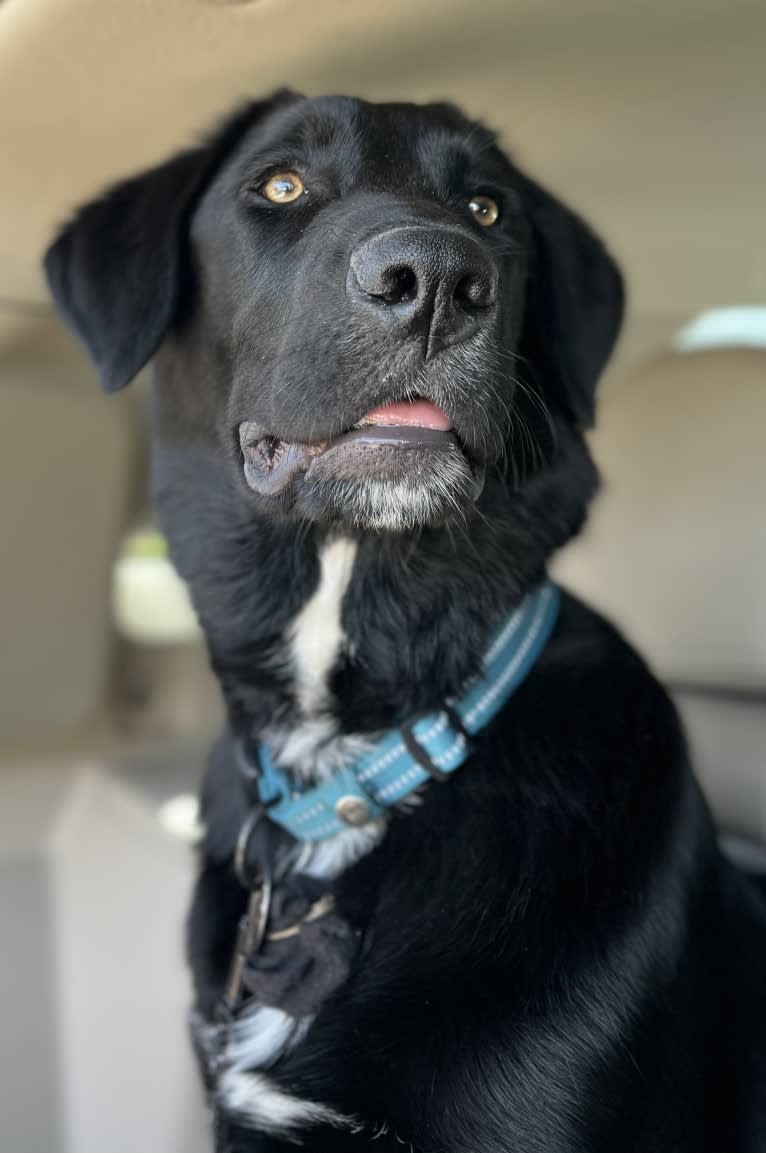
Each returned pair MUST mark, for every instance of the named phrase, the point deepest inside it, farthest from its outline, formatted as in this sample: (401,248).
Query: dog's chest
(316,635)
(310,748)
(316,641)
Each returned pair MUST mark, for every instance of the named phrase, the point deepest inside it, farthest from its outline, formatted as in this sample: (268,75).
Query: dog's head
(390,307)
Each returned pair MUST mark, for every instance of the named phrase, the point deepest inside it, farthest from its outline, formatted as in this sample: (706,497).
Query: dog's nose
(438,280)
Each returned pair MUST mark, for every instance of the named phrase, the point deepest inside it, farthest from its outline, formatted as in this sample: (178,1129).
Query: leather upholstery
(676,553)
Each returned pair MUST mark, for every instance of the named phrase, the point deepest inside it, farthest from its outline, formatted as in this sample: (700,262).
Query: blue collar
(432,746)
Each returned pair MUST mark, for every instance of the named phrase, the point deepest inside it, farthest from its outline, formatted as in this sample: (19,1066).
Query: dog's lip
(271,464)
(397,436)
(413,413)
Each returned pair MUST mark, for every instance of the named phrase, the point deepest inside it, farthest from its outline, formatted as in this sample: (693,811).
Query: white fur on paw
(258,1038)
(254,1100)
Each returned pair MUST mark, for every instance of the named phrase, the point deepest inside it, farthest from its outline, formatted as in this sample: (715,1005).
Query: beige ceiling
(650,116)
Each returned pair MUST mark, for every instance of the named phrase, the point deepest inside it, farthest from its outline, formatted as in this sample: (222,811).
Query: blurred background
(649,118)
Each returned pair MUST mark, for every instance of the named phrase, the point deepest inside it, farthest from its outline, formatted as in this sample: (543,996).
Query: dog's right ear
(120,272)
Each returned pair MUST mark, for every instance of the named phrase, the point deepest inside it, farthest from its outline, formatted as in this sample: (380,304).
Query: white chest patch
(317,635)
(311,749)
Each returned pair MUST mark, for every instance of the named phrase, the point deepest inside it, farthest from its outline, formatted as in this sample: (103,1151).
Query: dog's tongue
(411,414)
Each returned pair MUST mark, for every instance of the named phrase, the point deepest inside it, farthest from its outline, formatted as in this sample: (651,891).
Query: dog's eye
(283,187)
(484,210)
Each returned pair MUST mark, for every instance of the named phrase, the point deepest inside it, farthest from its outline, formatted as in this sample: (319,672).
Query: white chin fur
(402,505)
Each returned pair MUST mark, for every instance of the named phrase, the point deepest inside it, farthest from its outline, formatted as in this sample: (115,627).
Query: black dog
(376,346)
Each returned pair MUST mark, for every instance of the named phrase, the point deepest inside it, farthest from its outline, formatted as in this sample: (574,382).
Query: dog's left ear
(574,304)
(120,272)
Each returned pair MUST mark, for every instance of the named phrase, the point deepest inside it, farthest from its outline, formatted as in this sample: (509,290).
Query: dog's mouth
(397,441)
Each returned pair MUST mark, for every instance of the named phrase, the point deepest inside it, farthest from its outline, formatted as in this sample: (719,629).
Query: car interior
(649,119)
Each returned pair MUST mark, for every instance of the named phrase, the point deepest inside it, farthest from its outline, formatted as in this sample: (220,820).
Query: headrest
(675,550)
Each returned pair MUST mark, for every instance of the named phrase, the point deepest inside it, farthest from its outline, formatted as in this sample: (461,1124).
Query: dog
(376,344)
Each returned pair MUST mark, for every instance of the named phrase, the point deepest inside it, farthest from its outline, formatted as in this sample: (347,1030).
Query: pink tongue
(412,414)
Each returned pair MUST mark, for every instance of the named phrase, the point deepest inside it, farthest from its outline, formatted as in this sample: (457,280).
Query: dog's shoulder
(593,691)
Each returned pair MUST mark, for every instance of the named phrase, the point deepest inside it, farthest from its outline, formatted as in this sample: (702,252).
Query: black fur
(556,957)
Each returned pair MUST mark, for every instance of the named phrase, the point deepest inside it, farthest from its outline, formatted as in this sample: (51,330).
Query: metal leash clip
(253,924)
